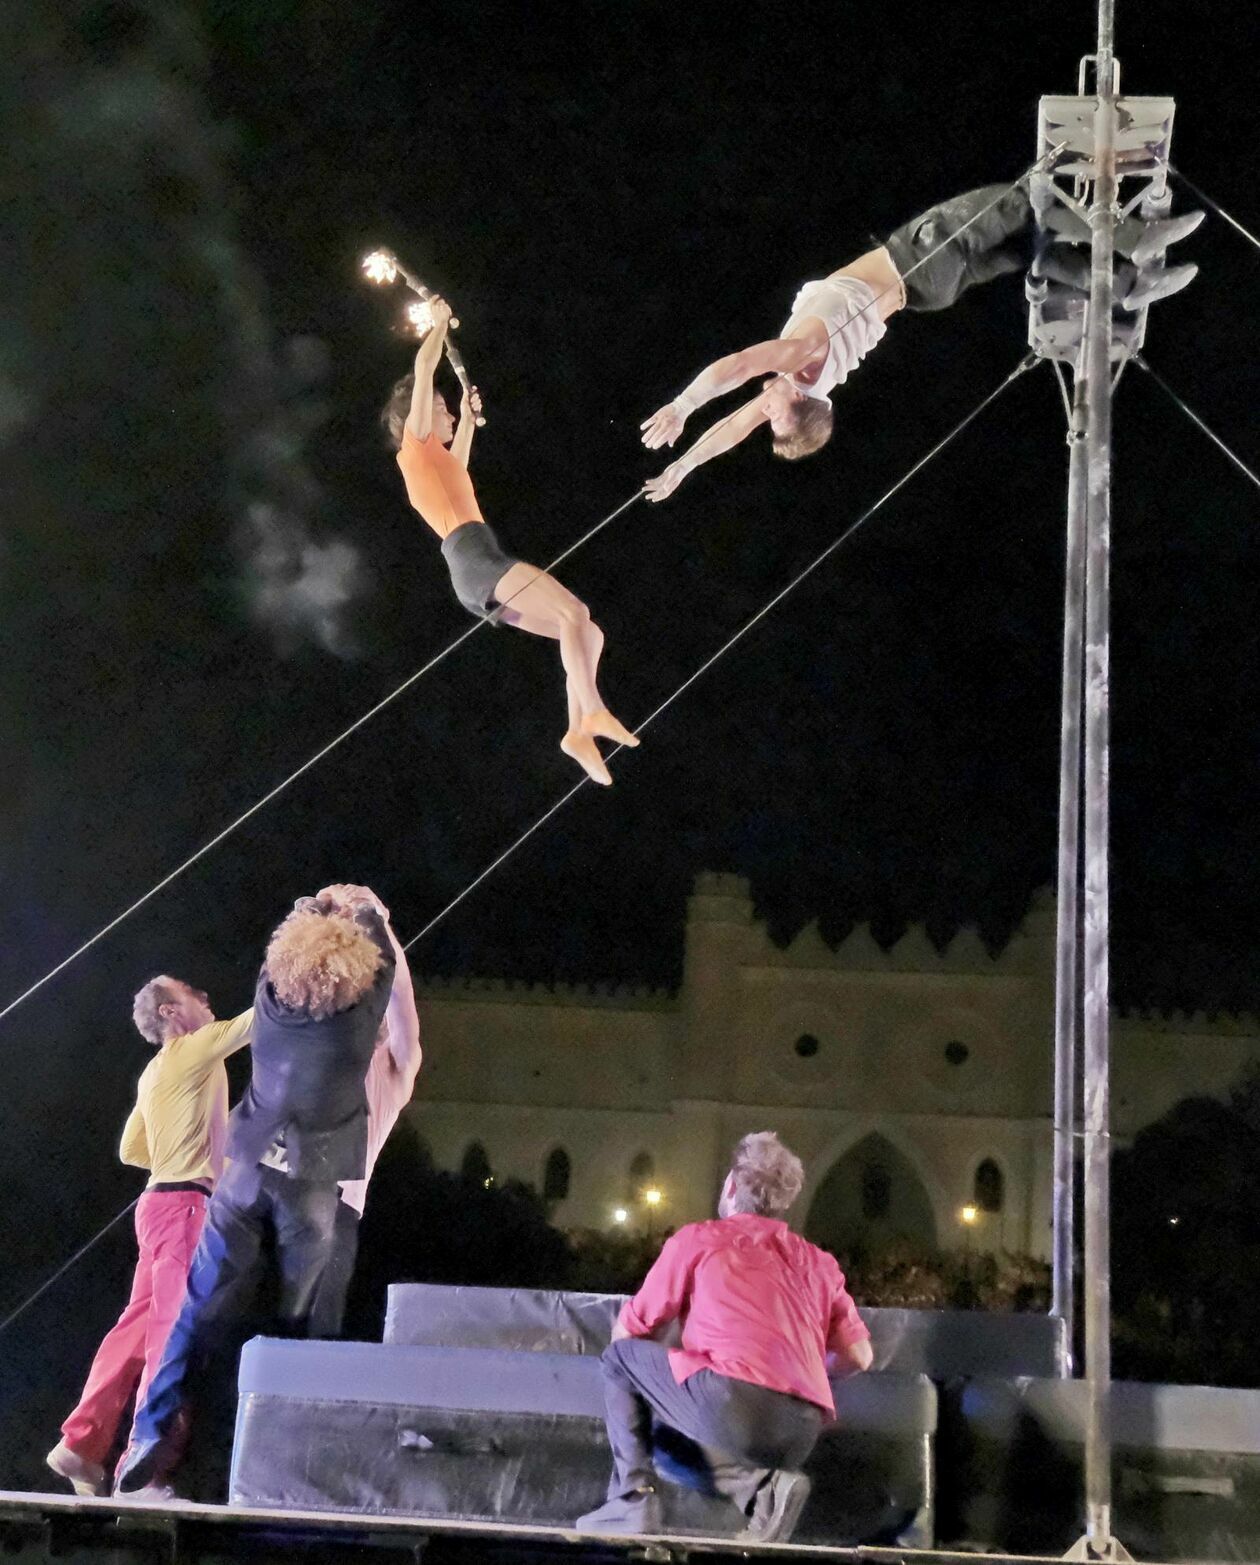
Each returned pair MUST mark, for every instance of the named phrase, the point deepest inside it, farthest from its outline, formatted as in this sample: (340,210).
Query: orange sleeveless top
(437,485)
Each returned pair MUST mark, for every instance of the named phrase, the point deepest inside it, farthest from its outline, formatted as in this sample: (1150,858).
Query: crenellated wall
(916,1063)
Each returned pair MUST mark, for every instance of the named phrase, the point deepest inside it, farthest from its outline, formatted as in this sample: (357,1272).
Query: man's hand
(347,899)
(441,313)
(664,484)
(470,403)
(664,426)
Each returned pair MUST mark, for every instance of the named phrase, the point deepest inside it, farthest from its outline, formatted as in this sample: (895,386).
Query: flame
(420,316)
(380,266)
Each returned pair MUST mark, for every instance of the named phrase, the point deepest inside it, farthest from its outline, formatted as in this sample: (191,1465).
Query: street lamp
(620,1216)
(652,1196)
(968,1216)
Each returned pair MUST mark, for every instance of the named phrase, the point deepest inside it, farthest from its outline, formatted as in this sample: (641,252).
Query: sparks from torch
(383,266)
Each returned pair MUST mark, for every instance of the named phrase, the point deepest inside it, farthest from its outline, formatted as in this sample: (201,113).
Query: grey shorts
(477,563)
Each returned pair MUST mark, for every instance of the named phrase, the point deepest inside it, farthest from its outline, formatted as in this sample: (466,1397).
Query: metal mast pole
(1066,992)
(1098,332)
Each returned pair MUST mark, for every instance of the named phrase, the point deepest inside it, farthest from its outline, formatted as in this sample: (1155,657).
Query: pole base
(1112,1550)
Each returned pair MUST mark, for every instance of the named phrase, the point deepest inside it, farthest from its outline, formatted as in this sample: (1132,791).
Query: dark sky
(612,195)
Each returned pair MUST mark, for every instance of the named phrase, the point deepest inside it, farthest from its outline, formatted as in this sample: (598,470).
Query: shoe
(1149,287)
(583,749)
(84,1477)
(637,1512)
(138,1468)
(777,1508)
(151,1494)
(1160,232)
(604,725)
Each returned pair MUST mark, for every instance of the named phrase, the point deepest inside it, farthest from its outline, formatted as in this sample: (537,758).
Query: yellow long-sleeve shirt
(179,1123)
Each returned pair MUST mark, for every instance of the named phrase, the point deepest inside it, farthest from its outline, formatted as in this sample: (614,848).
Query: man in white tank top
(925,265)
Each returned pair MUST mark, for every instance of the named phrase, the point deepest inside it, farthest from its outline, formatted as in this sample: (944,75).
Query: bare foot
(606,726)
(583,749)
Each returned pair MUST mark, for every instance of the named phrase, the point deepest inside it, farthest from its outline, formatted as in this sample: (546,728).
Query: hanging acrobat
(433,451)
(924,265)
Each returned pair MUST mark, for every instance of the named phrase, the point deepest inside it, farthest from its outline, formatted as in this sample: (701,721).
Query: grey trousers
(990,247)
(744,1430)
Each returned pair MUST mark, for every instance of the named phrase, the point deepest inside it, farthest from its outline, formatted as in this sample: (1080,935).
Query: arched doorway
(870,1197)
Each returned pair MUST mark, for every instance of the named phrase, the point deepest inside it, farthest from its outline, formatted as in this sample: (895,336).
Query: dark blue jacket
(307,1087)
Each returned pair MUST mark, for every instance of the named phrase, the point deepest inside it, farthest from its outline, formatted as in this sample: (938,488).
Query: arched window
(475,1167)
(876,1190)
(556,1175)
(642,1170)
(989,1186)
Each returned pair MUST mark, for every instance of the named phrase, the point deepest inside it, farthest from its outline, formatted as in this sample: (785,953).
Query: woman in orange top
(433,455)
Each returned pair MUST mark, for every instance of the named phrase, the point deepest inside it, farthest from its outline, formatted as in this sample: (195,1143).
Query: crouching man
(763,1315)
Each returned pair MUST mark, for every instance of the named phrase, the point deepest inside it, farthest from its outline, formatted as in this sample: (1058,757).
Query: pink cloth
(389,1090)
(168,1225)
(756,1302)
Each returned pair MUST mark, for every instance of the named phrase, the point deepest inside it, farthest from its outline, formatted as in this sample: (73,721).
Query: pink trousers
(168,1225)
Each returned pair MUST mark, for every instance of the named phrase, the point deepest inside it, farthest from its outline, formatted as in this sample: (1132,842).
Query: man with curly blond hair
(764,1317)
(300,1129)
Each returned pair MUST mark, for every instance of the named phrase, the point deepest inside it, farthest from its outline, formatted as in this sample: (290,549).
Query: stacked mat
(487,1404)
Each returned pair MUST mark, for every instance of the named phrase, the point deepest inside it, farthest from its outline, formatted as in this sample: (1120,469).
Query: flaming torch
(382,267)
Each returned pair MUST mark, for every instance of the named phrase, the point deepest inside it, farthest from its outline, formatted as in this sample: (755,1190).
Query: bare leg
(535,601)
(533,594)
(550,629)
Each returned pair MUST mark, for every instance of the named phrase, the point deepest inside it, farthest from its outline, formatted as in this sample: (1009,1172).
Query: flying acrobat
(433,454)
(924,265)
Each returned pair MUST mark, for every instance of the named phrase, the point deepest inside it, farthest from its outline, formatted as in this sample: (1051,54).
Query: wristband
(684,404)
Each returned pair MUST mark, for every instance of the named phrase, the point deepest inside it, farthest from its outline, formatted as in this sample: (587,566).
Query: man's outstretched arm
(420,418)
(781,356)
(722,436)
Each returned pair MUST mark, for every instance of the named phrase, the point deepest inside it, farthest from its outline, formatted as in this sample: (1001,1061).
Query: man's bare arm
(401,1012)
(420,418)
(780,356)
(469,407)
(721,437)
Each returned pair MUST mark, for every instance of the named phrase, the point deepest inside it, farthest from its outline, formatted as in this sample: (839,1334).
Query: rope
(1219,210)
(305,767)
(1195,419)
(1025,364)
(439,657)
(62,1270)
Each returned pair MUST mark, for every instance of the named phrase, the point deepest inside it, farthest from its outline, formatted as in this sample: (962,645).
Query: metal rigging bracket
(1057,286)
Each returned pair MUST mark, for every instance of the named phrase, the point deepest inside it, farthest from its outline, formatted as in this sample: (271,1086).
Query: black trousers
(330,1299)
(992,246)
(250,1207)
(743,1430)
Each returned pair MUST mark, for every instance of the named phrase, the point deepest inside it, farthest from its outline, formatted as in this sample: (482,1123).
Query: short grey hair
(144,1010)
(766,1176)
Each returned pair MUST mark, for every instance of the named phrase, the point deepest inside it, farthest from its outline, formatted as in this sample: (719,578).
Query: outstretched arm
(420,418)
(401,1013)
(469,407)
(722,436)
(782,356)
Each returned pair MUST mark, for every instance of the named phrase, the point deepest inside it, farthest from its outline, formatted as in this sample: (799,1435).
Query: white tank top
(846,307)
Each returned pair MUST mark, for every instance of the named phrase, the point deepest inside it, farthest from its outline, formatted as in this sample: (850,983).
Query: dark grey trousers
(990,248)
(753,1429)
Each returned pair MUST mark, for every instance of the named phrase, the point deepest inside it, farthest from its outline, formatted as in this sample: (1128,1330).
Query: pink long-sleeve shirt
(755,1301)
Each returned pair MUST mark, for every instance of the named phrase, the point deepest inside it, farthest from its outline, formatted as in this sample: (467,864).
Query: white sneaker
(777,1508)
(84,1477)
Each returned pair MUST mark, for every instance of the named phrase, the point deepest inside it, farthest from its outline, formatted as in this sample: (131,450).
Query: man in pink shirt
(764,1315)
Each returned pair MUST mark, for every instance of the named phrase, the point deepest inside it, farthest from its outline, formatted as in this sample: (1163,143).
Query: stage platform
(46,1527)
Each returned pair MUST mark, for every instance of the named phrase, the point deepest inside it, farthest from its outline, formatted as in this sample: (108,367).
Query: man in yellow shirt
(177,1131)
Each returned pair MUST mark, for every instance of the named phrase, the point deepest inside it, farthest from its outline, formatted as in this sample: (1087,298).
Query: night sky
(612,196)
